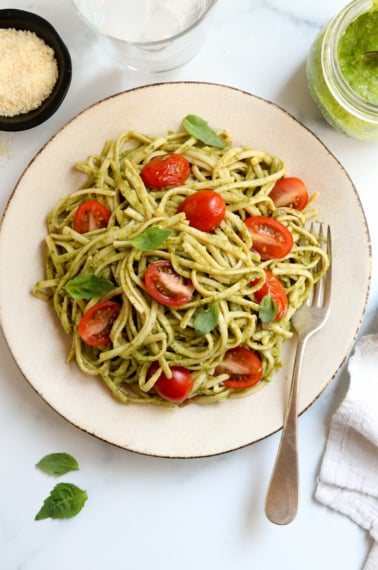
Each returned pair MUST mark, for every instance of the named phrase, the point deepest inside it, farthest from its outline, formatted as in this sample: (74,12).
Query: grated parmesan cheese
(28,71)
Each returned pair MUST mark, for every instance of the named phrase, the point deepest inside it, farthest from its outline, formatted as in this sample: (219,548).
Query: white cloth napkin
(348,480)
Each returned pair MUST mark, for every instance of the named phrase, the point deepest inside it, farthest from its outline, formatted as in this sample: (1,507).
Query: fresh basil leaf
(151,238)
(206,320)
(88,286)
(65,501)
(267,309)
(58,464)
(200,129)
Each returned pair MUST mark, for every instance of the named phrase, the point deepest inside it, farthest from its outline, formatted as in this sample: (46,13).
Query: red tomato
(290,192)
(244,367)
(167,286)
(96,323)
(90,216)
(205,210)
(271,239)
(274,288)
(169,169)
(174,389)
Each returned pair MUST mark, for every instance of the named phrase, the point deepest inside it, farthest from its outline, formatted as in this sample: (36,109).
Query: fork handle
(281,502)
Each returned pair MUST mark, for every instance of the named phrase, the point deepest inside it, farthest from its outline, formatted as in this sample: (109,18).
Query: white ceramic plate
(34,337)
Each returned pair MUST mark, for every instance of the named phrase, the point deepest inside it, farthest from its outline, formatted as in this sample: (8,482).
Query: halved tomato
(169,169)
(174,389)
(244,367)
(90,216)
(275,289)
(290,192)
(95,325)
(271,239)
(204,210)
(166,286)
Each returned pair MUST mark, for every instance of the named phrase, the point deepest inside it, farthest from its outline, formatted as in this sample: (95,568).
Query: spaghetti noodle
(221,265)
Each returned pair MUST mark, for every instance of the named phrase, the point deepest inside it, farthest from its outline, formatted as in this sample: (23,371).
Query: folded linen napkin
(348,480)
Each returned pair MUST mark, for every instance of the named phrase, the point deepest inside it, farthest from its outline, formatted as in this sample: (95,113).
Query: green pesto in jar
(361,72)
(361,77)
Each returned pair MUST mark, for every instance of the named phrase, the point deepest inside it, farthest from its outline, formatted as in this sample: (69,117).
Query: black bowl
(22,20)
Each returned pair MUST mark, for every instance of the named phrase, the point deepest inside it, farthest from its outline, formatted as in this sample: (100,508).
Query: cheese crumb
(28,71)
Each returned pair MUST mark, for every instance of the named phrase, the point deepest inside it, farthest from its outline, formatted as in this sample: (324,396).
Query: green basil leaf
(267,309)
(200,130)
(58,464)
(65,501)
(151,238)
(206,320)
(88,286)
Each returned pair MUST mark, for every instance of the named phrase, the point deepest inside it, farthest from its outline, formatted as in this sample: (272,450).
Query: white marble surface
(146,512)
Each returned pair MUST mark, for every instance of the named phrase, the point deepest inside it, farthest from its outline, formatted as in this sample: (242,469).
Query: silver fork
(281,502)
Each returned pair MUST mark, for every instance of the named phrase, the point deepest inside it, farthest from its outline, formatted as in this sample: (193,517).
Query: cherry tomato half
(169,169)
(96,323)
(244,367)
(205,210)
(174,389)
(90,216)
(167,286)
(271,239)
(275,289)
(290,192)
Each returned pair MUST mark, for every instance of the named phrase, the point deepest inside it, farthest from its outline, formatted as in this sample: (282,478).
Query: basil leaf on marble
(200,129)
(206,320)
(88,286)
(65,501)
(151,238)
(57,464)
(267,309)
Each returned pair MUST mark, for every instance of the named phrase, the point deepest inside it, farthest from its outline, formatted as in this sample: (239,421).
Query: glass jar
(343,107)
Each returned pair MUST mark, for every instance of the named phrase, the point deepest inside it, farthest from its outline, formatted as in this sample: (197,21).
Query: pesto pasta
(222,267)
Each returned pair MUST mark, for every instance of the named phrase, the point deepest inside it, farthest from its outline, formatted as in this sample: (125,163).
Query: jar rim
(353,102)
